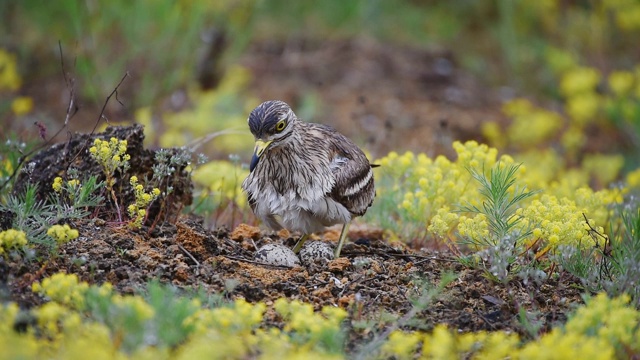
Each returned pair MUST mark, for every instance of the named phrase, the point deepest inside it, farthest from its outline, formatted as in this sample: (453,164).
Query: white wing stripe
(355,188)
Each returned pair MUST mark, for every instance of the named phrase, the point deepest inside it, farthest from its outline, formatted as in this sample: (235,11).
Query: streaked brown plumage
(305,176)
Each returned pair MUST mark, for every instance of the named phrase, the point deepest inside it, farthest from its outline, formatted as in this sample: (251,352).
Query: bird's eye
(280,125)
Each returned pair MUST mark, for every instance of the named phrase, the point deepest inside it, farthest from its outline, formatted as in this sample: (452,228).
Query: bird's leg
(343,236)
(303,238)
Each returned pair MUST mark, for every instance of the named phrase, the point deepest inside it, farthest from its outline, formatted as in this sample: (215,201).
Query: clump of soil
(371,274)
(59,159)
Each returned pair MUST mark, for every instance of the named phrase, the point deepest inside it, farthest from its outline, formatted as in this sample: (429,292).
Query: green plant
(73,199)
(11,150)
(69,201)
(503,243)
(612,265)
(137,211)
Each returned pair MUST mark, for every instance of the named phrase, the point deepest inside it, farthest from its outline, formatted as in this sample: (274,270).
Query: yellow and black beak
(261,146)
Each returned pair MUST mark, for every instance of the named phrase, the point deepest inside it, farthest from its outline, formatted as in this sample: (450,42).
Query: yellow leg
(343,236)
(303,238)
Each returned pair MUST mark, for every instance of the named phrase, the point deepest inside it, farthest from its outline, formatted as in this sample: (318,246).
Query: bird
(305,176)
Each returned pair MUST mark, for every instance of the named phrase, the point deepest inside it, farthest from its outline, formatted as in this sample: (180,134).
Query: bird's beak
(257,152)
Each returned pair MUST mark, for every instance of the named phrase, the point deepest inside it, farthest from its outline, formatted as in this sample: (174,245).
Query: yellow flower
(633,178)
(580,80)
(57,184)
(22,105)
(11,238)
(62,233)
(621,82)
(583,107)
(9,77)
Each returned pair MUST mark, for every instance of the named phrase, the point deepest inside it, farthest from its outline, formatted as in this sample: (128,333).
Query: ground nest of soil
(370,274)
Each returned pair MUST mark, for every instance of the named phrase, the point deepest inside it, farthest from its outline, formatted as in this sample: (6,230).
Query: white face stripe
(354,189)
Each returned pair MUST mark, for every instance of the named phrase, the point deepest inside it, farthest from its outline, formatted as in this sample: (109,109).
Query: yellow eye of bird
(280,125)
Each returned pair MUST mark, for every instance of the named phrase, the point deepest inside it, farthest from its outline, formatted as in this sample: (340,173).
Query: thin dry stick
(189,254)
(101,115)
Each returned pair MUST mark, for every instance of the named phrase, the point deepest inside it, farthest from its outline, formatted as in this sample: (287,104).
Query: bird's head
(271,124)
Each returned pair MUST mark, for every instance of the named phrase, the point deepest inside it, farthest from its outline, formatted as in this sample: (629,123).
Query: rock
(277,254)
(316,251)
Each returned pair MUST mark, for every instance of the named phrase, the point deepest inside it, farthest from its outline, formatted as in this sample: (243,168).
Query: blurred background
(414,75)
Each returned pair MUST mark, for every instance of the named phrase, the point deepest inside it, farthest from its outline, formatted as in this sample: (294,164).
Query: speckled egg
(276,254)
(314,251)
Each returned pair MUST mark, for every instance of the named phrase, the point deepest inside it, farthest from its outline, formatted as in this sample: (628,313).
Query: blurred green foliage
(158,42)
(519,43)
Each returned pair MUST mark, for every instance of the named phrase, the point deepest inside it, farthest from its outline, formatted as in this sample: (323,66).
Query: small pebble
(276,254)
(314,251)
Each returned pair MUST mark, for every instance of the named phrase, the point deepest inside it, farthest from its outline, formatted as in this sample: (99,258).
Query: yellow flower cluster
(22,105)
(53,316)
(475,227)
(111,155)
(612,320)
(578,85)
(402,345)
(530,126)
(132,305)
(548,172)
(14,344)
(302,319)
(57,184)
(62,233)
(431,188)
(232,330)
(12,239)
(585,104)
(557,221)
(137,211)
(625,12)
(235,331)
(633,179)
(72,185)
(62,288)
(621,82)
(241,318)
(9,77)
(427,193)
(579,80)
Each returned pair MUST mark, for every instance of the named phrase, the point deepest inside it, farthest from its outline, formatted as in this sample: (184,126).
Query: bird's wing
(353,175)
